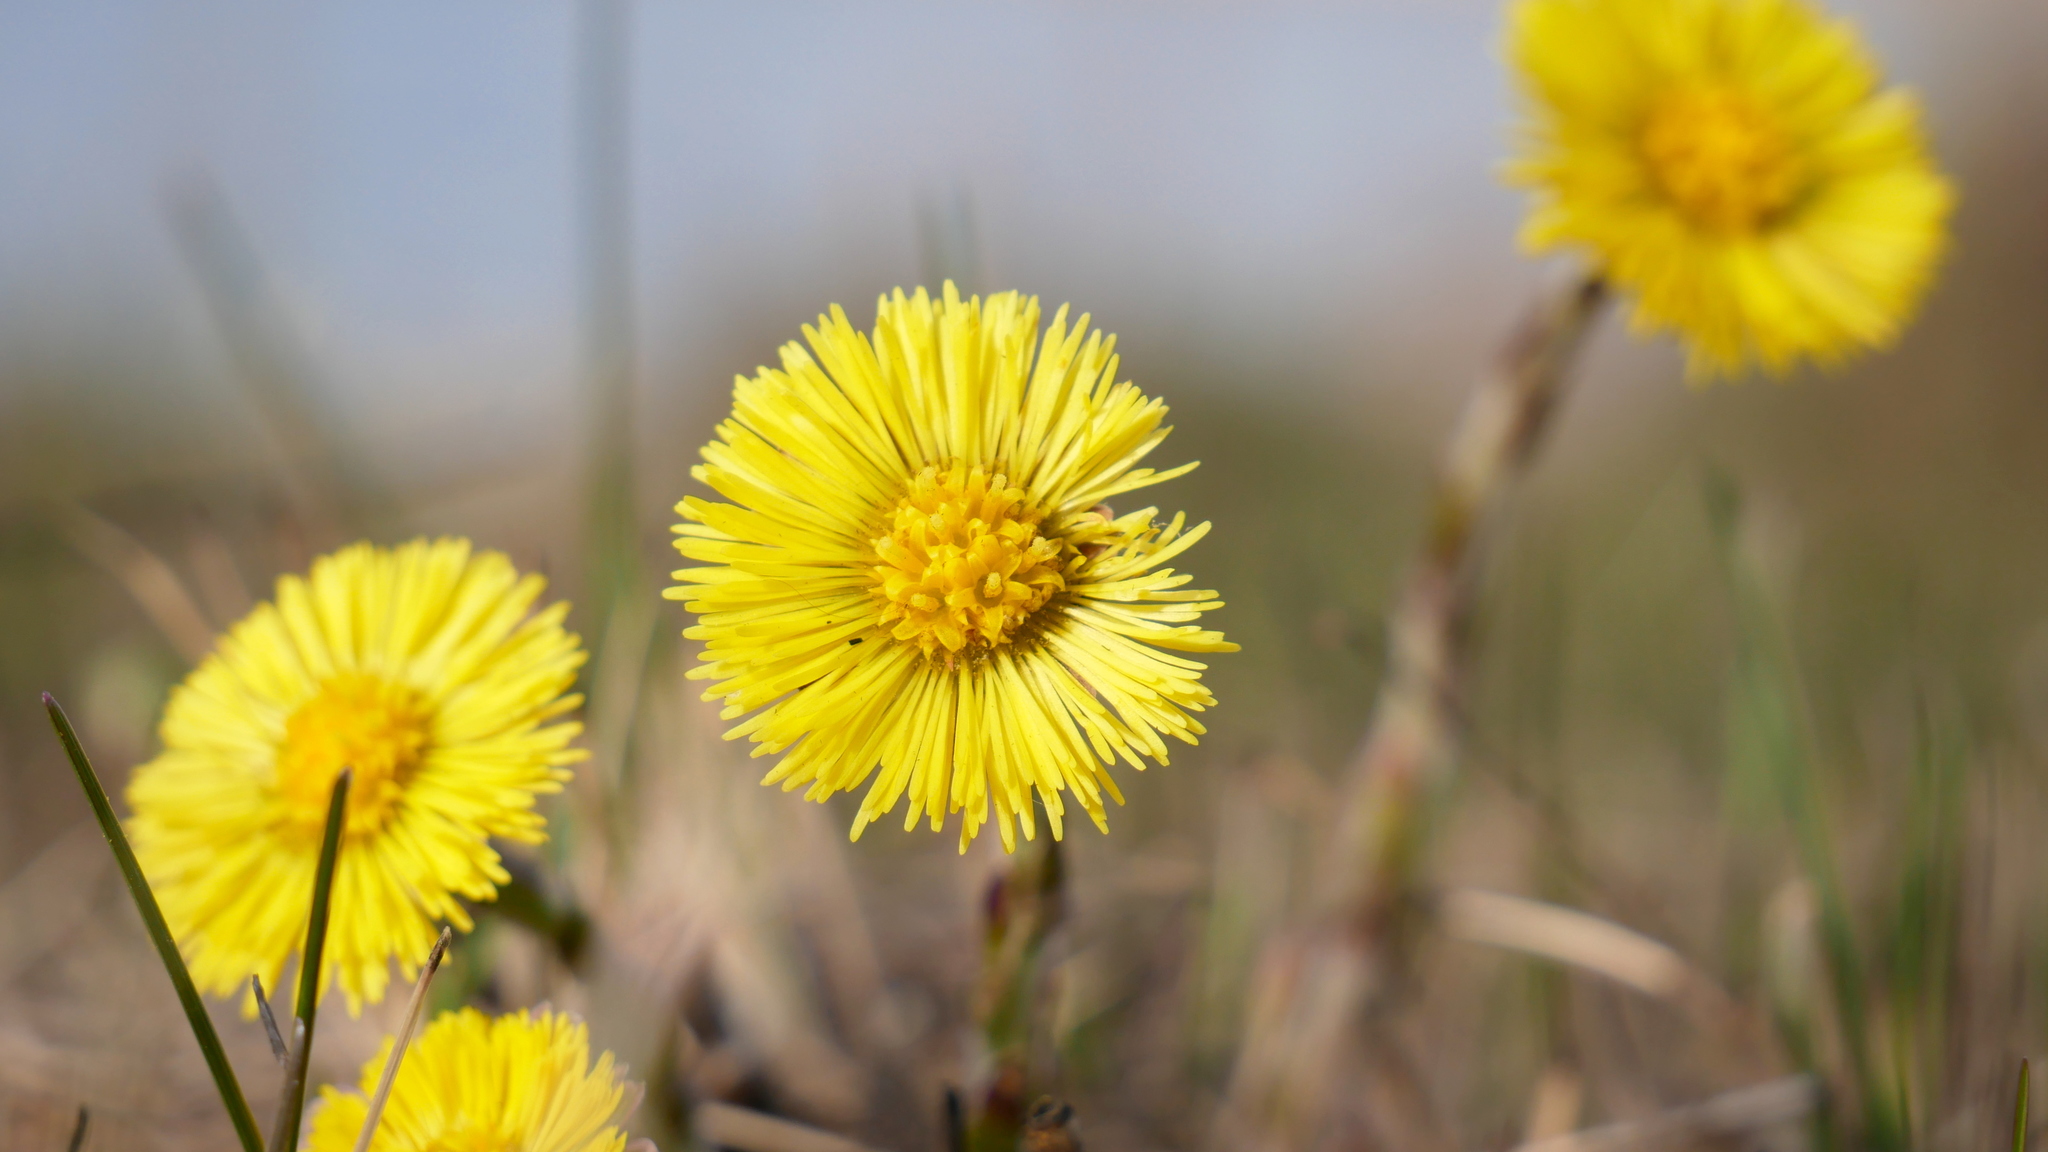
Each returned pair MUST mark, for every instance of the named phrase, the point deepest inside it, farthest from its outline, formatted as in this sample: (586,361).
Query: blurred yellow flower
(1733,163)
(519,1083)
(419,667)
(919,571)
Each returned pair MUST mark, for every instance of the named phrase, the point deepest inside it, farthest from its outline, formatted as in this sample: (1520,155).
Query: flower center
(356,721)
(963,563)
(1719,157)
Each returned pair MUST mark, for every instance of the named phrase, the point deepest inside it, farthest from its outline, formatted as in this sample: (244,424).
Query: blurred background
(276,276)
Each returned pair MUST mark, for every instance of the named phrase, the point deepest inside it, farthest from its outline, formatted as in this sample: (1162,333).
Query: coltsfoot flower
(1737,165)
(919,578)
(469,1083)
(423,669)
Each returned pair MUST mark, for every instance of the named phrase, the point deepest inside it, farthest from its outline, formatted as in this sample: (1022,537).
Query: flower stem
(159,934)
(1023,908)
(1317,985)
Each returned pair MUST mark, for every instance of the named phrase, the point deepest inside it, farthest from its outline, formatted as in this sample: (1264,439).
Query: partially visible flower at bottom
(522,1082)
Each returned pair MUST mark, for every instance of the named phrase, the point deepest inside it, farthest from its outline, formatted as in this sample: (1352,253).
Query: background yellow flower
(920,571)
(418,666)
(1736,165)
(518,1083)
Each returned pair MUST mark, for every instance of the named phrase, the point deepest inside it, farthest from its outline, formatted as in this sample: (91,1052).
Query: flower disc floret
(365,723)
(1720,157)
(963,564)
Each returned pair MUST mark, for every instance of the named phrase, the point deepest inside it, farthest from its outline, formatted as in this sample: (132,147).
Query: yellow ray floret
(1737,165)
(424,670)
(919,579)
(469,1083)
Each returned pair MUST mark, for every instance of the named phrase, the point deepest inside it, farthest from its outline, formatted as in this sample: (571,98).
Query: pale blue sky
(1313,174)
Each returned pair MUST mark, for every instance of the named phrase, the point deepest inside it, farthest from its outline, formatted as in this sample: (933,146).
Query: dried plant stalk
(1569,937)
(1316,987)
(147,576)
(729,1126)
(399,1043)
(1725,1117)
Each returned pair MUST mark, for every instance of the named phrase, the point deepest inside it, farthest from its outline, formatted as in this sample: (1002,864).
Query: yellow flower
(519,1083)
(419,667)
(919,570)
(1733,163)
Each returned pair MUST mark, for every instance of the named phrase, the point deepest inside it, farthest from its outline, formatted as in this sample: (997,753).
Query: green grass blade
(2019,1114)
(1769,696)
(284,1136)
(159,934)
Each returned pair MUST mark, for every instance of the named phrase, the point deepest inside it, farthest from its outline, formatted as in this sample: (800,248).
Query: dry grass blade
(1722,1117)
(49,896)
(730,1126)
(269,1018)
(404,1038)
(148,578)
(269,353)
(1569,937)
(601,791)
(1555,1104)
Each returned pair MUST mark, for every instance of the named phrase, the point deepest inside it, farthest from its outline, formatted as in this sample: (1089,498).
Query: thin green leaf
(231,1097)
(1923,925)
(2019,1114)
(1768,692)
(284,1137)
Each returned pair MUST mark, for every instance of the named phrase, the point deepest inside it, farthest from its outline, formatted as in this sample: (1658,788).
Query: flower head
(469,1083)
(418,667)
(919,578)
(1734,163)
